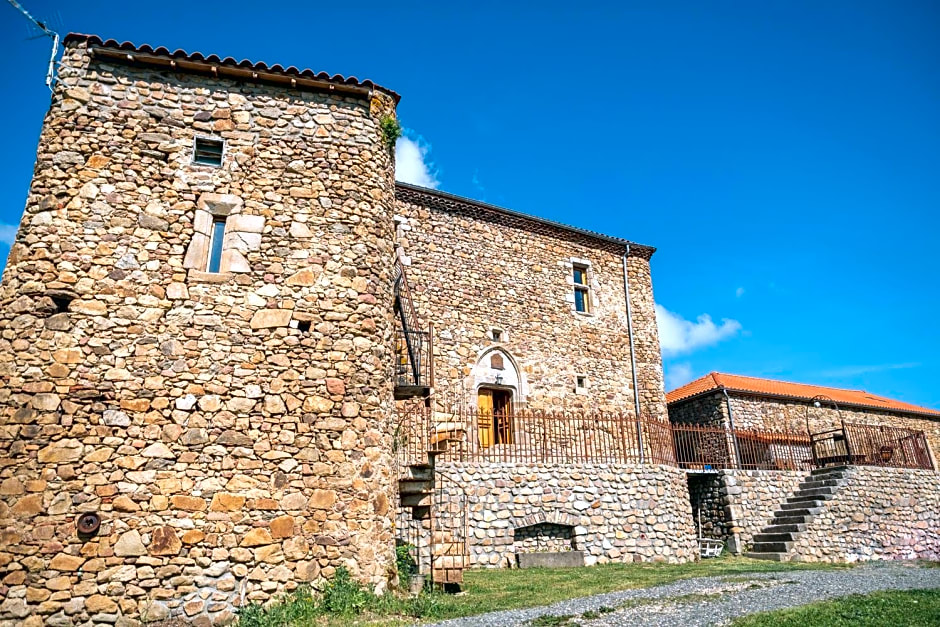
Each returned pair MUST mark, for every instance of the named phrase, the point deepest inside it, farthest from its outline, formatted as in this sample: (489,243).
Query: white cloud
(413,164)
(8,233)
(739,292)
(678,375)
(678,335)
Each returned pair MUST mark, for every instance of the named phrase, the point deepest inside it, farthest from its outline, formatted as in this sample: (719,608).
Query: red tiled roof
(233,68)
(769,387)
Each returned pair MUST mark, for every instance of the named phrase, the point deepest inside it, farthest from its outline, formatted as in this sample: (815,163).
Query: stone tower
(195,340)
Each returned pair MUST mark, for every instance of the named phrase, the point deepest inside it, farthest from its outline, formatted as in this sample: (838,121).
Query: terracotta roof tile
(769,387)
(227,62)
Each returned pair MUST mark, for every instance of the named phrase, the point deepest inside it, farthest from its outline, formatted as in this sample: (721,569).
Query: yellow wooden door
(485,417)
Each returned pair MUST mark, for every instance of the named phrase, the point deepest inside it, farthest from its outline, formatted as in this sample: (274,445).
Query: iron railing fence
(711,447)
(531,436)
(555,437)
(882,445)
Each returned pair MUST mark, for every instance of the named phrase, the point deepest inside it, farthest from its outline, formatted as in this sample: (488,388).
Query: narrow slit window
(215,246)
(208,151)
(582,294)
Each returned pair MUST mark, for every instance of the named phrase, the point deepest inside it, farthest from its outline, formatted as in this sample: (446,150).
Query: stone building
(549,302)
(850,514)
(196,348)
(754,403)
(207,341)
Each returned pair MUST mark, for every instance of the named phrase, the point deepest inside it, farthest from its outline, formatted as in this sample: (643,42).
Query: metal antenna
(50,73)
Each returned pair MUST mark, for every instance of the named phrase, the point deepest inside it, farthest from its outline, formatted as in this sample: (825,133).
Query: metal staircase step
(415,486)
(423,472)
(416,500)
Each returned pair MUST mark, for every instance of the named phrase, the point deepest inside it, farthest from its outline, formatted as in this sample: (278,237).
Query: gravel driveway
(717,600)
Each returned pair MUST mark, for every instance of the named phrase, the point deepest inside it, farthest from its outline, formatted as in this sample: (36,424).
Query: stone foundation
(615,513)
(881,514)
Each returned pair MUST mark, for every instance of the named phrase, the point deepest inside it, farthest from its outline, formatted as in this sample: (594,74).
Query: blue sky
(783,156)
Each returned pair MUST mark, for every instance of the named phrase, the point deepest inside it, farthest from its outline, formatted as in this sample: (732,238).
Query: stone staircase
(775,541)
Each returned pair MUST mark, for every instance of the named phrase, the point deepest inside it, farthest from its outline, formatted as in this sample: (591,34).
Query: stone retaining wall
(618,513)
(752,496)
(881,514)
(737,504)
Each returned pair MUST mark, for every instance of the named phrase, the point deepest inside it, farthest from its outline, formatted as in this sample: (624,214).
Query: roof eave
(804,399)
(196,63)
(424,193)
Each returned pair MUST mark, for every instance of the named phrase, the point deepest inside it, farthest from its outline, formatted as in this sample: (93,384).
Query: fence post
(848,444)
(639,437)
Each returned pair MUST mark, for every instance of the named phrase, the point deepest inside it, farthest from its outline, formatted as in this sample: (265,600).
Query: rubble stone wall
(708,497)
(619,513)
(880,514)
(750,498)
(710,410)
(740,503)
(471,275)
(232,430)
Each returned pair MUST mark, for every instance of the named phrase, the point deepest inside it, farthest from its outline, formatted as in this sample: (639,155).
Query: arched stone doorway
(498,387)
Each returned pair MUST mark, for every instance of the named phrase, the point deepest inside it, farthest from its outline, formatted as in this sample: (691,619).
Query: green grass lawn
(910,608)
(491,590)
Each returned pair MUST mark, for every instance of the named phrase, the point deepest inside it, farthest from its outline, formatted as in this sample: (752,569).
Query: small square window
(208,151)
(581,382)
(497,335)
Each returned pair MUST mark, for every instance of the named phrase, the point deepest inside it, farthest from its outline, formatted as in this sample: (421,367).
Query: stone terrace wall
(229,454)
(754,412)
(881,514)
(470,275)
(737,504)
(708,497)
(752,496)
(619,513)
